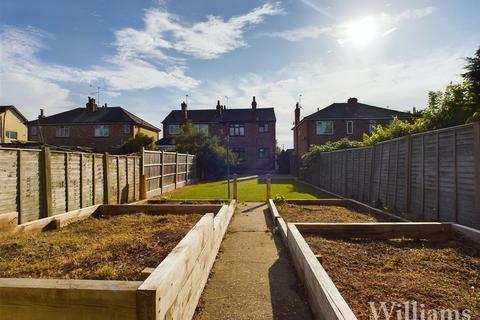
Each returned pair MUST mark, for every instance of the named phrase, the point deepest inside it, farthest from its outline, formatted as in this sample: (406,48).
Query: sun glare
(363,32)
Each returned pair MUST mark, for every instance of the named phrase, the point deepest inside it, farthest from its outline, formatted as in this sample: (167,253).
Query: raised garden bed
(112,245)
(124,245)
(346,266)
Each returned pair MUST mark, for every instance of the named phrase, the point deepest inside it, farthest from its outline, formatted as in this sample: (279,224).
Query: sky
(146,56)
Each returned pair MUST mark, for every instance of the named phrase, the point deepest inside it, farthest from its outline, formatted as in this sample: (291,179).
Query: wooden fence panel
(32,196)
(98,179)
(87,180)
(58,178)
(73,184)
(8,178)
(432,176)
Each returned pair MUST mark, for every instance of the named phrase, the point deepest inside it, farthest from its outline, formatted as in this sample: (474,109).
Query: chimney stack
(254,104)
(184,112)
(219,108)
(91,105)
(297,113)
(352,100)
(41,115)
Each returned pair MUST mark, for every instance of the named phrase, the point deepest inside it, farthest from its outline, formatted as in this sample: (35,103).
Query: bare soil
(327,214)
(439,275)
(106,248)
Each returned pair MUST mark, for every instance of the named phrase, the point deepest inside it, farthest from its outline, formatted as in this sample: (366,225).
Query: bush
(134,144)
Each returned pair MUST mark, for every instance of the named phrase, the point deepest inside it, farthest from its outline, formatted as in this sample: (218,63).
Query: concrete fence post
(235,190)
(269,186)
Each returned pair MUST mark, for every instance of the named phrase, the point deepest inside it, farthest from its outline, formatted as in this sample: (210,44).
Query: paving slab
(252,277)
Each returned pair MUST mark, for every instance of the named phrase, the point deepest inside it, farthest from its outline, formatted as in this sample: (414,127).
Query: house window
(371,126)
(33,131)
(62,132)
(240,152)
(324,127)
(11,134)
(174,129)
(263,127)
(262,153)
(101,131)
(349,127)
(127,129)
(201,127)
(237,129)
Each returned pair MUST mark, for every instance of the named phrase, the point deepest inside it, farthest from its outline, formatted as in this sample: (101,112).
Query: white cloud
(204,40)
(378,25)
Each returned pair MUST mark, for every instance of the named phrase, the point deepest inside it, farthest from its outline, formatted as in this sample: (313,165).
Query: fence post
(93,179)
(476,159)
(106,179)
(235,196)
(47,183)
(372,173)
(176,169)
(162,172)
(81,180)
(408,175)
(143,187)
(186,168)
(269,187)
(20,186)
(67,184)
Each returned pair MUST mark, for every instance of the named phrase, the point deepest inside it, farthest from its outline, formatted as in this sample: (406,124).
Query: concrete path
(252,277)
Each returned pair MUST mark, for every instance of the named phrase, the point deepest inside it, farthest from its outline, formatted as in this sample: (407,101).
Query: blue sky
(147,55)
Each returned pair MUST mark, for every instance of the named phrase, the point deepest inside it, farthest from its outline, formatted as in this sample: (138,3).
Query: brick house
(251,132)
(13,125)
(340,120)
(103,129)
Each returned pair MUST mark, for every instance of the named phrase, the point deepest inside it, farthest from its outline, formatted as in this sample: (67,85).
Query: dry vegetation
(441,275)
(115,248)
(326,214)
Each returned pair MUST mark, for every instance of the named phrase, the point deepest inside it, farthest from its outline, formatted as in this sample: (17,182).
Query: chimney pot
(91,105)
(41,115)
(352,100)
(297,113)
(184,111)
(254,103)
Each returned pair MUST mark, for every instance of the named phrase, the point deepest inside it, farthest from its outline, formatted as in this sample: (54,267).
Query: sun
(363,32)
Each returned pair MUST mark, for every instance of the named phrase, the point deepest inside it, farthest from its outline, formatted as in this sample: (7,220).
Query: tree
(134,144)
(210,156)
(472,73)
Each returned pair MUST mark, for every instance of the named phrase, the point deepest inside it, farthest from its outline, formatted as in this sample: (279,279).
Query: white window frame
(236,130)
(351,123)
(62,132)
(371,126)
(173,129)
(325,132)
(202,127)
(102,130)
(8,134)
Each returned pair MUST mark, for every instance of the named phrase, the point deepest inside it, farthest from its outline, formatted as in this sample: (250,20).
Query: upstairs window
(174,129)
(62,132)
(11,134)
(349,127)
(324,127)
(101,131)
(371,126)
(127,129)
(33,131)
(263,127)
(262,153)
(201,127)
(237,129)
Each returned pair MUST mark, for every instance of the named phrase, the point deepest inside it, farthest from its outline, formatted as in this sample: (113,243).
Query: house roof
(14,110)
(227,115)
(101,115)
(356,110)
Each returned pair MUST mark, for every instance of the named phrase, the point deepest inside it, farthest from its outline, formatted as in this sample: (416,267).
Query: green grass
(250,190)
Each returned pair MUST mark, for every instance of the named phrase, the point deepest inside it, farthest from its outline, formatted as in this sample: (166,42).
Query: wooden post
(135,178)
(186,168)
(455,179)
(106,179)
(20,186)
(438,176)
(408,173)
(67,184)
(235,190)
(119,197)
(143,187)
(372,173)
(81,180)
(269,186)
(423,176)
(93,179)
(396,178)
(47,183)
(162,172)
(176,169)
(476,159)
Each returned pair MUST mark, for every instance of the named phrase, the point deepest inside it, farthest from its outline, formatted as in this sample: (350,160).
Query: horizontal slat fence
(41,183)
(429,176)
(166,171)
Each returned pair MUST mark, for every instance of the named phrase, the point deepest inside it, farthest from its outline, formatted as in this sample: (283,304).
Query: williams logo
(412,310)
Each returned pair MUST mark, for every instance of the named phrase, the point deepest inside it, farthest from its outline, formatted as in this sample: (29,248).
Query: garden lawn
(250,190)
